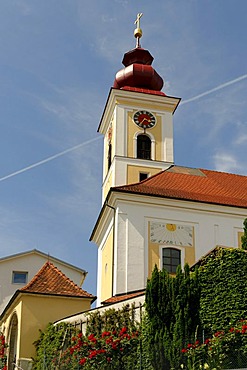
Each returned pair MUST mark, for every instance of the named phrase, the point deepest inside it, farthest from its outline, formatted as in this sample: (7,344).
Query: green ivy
(222,278)
(50,345)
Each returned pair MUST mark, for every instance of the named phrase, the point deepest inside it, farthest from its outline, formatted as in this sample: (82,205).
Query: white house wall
(213,225)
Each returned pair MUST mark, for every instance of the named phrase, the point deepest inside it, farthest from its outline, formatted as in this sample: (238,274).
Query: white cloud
(242,139)
(227,162)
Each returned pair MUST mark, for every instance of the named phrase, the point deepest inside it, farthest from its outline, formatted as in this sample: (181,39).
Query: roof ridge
(45,255)
(199,185)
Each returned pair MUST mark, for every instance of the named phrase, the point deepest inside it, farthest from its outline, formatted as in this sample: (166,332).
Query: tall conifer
(172,305)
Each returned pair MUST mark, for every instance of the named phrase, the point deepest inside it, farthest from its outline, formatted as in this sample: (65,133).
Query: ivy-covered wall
(222,279)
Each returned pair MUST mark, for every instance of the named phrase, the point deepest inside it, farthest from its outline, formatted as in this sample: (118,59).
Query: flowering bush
(111,341)
(224,350)
(3,357)
(111,350)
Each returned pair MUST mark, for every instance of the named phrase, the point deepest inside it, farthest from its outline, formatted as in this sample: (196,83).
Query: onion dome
(138,74)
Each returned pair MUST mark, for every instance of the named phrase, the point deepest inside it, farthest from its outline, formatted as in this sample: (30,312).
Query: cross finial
(137,21)
(138,31)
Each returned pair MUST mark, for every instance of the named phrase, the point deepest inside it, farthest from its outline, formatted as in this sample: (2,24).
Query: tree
(172,306)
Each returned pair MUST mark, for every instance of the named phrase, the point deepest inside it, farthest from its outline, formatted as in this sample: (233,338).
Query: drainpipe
(113,245)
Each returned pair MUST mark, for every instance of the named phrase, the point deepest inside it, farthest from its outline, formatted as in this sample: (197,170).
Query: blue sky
(58,60)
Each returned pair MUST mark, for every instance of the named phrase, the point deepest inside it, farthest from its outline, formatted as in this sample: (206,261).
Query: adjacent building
(17,270)
(49,296)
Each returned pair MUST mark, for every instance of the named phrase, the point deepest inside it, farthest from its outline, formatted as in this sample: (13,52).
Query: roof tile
(195,185)
(50,280)
(123,297)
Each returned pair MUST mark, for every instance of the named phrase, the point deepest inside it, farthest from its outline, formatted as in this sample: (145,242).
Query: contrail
(222,86)
(48,159)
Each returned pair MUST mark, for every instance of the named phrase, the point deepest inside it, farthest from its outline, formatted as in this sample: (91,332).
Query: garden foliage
(222,278)
(111,342)
(224,350)
(181,311)
(172,306)
(3,357)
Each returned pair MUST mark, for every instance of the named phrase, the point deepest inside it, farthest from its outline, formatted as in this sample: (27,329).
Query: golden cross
(137,21)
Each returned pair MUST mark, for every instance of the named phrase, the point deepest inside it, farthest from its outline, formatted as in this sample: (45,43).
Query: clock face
(171,234)
(144,119)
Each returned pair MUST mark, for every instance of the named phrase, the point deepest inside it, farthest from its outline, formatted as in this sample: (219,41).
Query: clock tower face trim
(171,234)
(144,119)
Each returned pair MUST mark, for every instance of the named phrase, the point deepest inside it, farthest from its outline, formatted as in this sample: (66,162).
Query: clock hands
(145,119)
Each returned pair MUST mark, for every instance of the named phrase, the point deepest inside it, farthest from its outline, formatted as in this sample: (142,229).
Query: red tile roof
(50,280)
(193,185)
(124,297)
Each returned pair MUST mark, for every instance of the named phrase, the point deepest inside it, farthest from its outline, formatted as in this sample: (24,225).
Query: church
(154,212)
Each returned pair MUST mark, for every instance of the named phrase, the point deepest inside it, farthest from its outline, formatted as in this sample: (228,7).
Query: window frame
(21,273)
(171,247)
(151,137)
(145,175)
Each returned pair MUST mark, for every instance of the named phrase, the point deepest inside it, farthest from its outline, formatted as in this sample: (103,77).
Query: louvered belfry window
(143,147)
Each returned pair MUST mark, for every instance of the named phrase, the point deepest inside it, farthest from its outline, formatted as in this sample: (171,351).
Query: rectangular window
(143,176)
(171,258)
(19,277)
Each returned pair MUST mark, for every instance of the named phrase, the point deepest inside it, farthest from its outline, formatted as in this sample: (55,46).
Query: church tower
(137,122)
(154,212)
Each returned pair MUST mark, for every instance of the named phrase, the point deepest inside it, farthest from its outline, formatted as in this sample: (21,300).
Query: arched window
(143,147)
(13,333)
(171,258)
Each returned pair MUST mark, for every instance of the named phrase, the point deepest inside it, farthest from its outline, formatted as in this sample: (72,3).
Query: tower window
(143,147)
(143,176)
(109,155)
(171,258)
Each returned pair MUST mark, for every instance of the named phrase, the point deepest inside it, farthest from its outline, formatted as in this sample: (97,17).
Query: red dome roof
(138,72)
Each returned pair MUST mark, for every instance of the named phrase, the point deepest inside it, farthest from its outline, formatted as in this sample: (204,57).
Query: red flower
(123,331)
(82,361)
(109,340)
(92,338)
(93,354)
(184,350)
(105,334)
(219,333)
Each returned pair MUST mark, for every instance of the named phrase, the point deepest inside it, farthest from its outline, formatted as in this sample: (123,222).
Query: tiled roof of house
(194,185)
(123,297)
(50,280)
